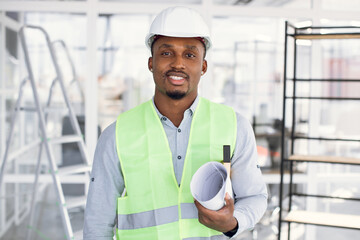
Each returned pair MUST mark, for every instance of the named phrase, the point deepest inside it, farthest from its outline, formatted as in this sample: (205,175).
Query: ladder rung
(73,202)
(65,139)
(72,169)
(324,219)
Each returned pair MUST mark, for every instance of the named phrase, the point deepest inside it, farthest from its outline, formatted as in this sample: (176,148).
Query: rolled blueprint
(210,184)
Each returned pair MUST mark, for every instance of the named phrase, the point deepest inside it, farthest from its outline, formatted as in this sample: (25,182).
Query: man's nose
(178,62)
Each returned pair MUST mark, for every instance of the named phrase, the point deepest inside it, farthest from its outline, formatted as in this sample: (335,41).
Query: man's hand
(221,220)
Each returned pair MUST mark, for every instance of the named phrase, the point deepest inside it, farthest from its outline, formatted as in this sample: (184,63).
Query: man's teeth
(176,77)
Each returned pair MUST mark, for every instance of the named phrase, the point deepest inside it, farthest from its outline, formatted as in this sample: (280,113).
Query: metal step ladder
(65,204)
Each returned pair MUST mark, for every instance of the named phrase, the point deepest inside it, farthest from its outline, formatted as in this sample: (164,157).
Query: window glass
(13,15)
(69,29)
(334,59)
(247,63)
(11,43)
(11,58)
(247,57)
(340,60)
(124,78)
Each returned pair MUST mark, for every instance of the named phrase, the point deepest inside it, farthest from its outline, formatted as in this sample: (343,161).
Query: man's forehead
(170,45)
(170,42)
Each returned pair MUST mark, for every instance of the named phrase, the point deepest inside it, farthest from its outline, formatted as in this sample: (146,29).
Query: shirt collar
(191,109)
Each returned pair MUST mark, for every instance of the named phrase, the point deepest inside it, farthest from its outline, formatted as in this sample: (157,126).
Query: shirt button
(179,157)
(179,130)
(163,118)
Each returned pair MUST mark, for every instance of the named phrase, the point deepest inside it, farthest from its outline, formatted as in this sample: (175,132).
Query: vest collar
(191,109)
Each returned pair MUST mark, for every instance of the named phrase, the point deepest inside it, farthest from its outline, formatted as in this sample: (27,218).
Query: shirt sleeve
(106,185)
(247,181)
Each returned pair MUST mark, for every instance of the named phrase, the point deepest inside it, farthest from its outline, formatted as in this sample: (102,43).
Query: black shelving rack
(306,217)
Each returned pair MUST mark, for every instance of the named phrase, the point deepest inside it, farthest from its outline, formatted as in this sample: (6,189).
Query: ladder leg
(58,188)
(289,226)
(33,197)
(53,168)
(37,172)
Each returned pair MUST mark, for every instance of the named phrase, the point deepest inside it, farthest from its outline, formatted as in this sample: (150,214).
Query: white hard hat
(179,22)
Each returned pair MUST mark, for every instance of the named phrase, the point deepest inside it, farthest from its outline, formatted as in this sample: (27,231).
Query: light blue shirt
(107,183)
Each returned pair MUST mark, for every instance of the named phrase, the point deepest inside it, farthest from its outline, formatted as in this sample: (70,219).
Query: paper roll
(210,184)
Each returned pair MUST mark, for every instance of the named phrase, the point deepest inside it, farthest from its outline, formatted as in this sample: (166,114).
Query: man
(144,162)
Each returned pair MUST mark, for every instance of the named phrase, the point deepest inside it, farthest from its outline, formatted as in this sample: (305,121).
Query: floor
(48,224)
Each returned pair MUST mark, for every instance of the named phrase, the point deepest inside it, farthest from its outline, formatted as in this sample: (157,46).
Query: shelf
(325,196)
(326,139)
(327,36)
(326,27)
(348,221)
(324,219)
(325,159)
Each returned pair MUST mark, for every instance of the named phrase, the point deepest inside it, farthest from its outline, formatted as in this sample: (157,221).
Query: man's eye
(190,55)
(165,53)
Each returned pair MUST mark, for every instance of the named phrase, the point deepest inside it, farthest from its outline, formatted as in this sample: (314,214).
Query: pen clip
(226,153)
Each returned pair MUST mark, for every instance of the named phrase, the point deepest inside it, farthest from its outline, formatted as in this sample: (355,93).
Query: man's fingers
(228,200)
(202,209)
(198,205)
(203,219)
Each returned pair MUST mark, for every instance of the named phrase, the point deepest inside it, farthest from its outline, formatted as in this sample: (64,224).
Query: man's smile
(176,78)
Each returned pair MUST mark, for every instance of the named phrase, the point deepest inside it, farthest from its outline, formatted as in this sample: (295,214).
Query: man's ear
(150,64)
(204,66)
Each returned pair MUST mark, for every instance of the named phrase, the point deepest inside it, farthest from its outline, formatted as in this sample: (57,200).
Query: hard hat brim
(150,38)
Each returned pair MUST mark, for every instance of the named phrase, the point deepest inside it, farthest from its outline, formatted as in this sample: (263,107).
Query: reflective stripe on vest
(156,217)
(148,219)
(188,211)
(155,207)
(216,237)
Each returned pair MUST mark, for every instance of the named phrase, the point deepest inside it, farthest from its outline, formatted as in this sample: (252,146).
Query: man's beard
(176,95)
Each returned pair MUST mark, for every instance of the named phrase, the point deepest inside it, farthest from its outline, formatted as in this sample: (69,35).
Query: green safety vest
(155,207)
